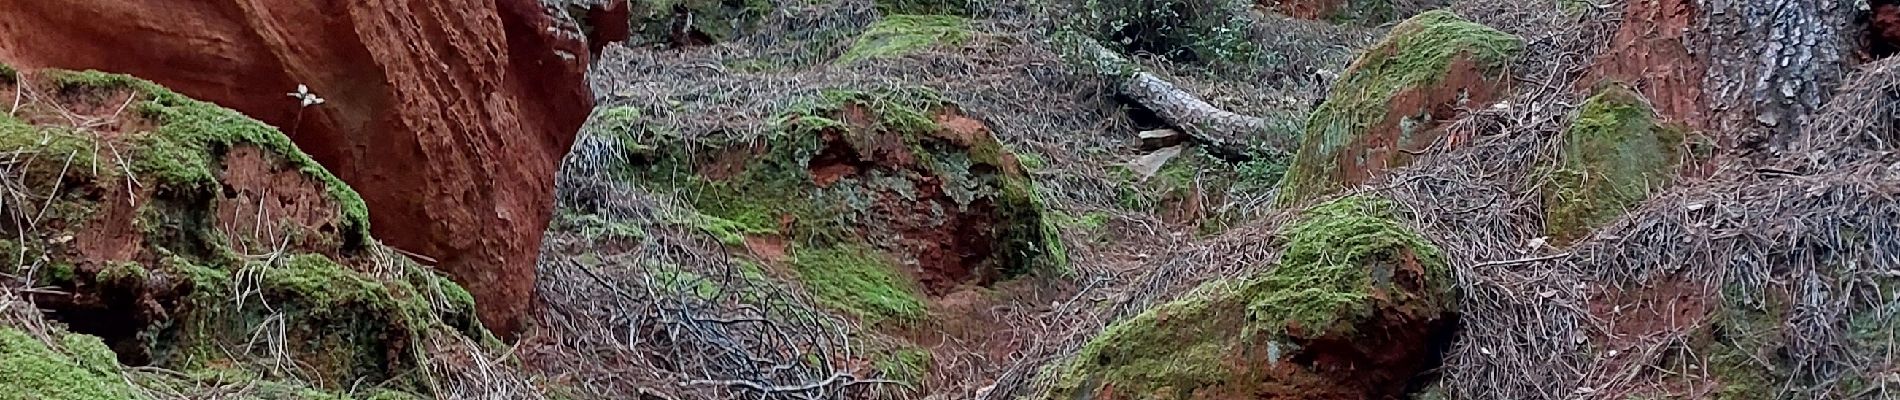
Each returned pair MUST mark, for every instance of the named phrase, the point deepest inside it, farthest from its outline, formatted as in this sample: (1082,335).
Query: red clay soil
(1650,49)
(1385,145)
(1639,318)
(449,117)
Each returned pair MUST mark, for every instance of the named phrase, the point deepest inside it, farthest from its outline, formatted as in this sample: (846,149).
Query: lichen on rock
(1389,101)
(1615,154)
(1354,289)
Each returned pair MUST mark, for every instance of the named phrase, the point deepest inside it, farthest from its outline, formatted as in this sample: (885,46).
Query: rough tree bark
(1775,62)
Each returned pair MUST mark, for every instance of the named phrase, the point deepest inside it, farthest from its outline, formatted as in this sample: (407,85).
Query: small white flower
(304,96)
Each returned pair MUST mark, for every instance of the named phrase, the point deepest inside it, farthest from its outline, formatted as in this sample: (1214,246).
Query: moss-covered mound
(1389,102)
(189,237)
(882,197)
(1351,311)
(898,35)
(1615,154)
(81,368)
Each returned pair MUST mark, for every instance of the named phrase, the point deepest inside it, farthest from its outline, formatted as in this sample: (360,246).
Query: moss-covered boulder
(897,35)
(880,197)
(1389,103)
(1353,310)
(189,237)
(1615,154)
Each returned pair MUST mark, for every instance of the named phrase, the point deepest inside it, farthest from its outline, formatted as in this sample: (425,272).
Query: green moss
(1164,351)
(859,281)
(256,387)
(1339,257)
(897,35)
(675,279)
(594,227)
(315,279)
(1031,160)
(911,364)
(51,153)
(82,368)
(182,155)
(8,74)
(1615,155)
(1088,222)
(1740,359)
(59,273)
(1416,54)
(904,111)
(733,233)
(620,122)
(1339,250)
(124,273)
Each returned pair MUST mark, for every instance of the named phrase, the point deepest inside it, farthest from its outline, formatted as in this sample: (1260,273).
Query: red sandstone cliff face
(448,116)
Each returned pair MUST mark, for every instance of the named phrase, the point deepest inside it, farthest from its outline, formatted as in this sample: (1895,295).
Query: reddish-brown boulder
(449,116)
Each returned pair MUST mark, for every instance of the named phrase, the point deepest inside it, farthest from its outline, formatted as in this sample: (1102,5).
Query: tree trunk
(1775,62)
(1224,133)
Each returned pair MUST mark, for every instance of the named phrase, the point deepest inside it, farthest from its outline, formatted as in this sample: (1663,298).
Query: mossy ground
(1416,54)
(897,35)
(861,282)
(1339,256)
(908,364)
(1615,154)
